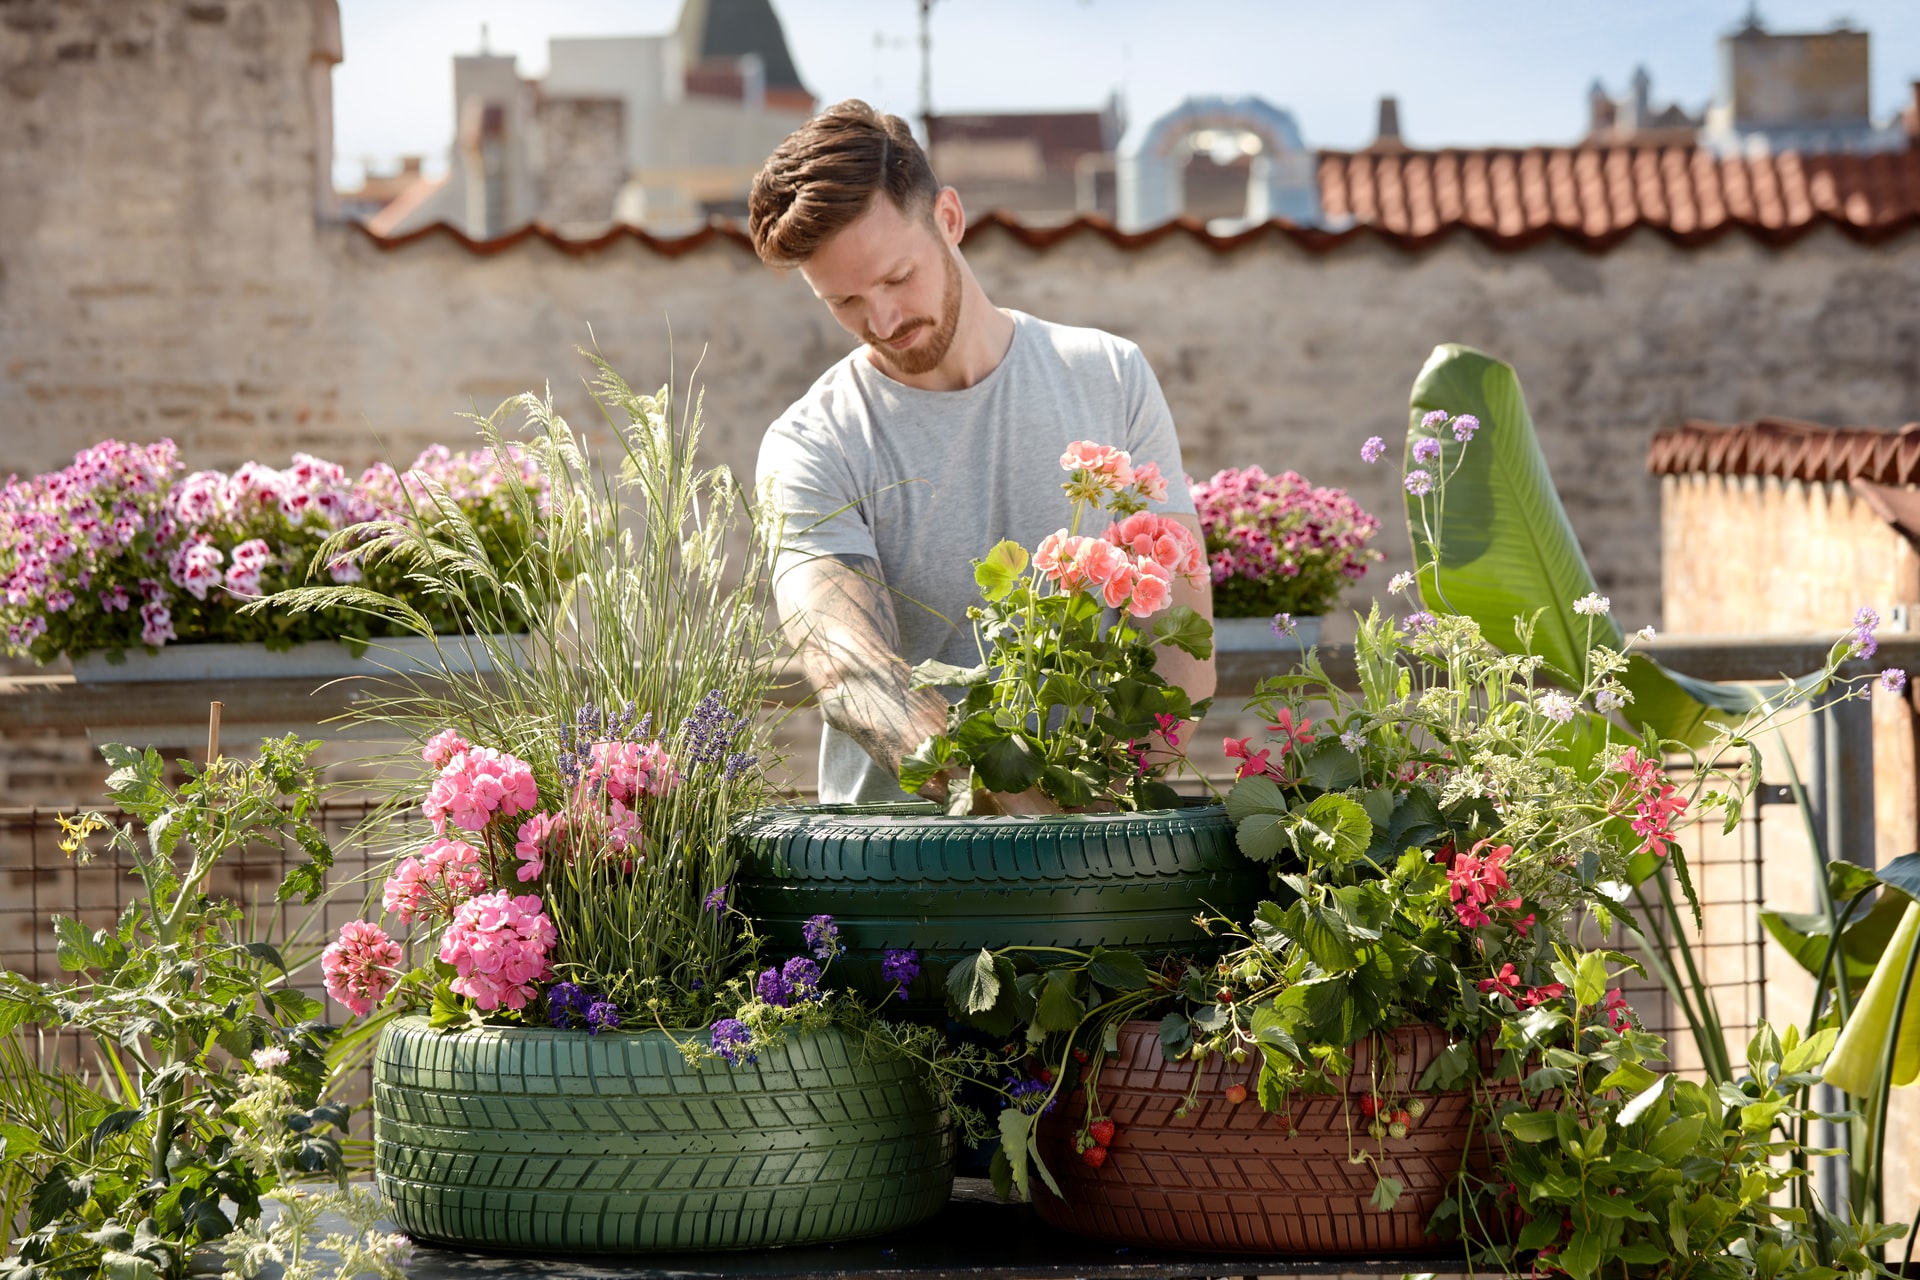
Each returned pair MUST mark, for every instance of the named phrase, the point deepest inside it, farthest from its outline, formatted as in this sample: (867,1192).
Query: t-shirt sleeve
(1150,432)
(806,476)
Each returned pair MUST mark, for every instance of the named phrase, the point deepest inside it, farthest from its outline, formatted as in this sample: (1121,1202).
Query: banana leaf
(1503,549)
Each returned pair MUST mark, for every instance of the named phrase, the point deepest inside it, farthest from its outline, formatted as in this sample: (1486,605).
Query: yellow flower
(76,831)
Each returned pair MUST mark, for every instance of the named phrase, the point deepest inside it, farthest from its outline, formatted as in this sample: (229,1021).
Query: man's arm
(839,618)
(1195,675)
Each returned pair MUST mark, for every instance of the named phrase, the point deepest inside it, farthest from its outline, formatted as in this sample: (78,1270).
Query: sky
(1466,72)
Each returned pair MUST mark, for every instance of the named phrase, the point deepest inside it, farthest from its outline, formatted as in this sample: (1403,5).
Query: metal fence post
(1840,777)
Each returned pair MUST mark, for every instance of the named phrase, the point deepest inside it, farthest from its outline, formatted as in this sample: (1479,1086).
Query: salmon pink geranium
(1061,631)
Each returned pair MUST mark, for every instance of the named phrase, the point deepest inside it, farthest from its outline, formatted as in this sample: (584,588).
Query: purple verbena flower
(1026,1095)
(1426,450)
(773,988)
(1464,426)
(802,978)
(900,968)
(715,901)
(1893,679)
(565,1000)
(731,1038)
(1433,419)
(1419,483)
(602,1015)
(1282,624)
(1373,450)
(1420,621)
(823,937)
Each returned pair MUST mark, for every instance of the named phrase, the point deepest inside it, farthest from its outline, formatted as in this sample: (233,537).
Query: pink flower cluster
(66,536)
(498,945)
(1073,563)
(79,547)
(1263,530)
(1476,882)
(360,966)
(477,785)
(446,873)
(630,770)
(1102,475)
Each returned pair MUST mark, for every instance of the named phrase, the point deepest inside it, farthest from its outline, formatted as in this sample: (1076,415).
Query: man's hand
(839,618)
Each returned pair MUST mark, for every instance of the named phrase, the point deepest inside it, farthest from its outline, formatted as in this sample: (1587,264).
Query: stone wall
(162,271)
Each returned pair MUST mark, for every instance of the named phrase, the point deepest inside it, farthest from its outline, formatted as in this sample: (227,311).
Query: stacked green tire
(526,1139)
(905,876)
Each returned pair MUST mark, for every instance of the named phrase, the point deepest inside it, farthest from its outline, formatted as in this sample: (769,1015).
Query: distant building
(1039,165)
(1806,93)
(661,131)
(1810,93)
(1634,120)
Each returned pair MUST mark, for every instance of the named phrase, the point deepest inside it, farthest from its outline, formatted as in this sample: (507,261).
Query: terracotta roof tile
(1596,193)
(1789,450)
(1510,199)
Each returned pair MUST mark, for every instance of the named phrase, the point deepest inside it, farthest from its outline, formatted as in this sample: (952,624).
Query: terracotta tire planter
(1232,1178)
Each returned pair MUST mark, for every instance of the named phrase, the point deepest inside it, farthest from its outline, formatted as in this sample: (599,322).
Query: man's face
(891,280)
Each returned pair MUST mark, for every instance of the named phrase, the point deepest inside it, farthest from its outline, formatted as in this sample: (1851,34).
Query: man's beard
(926,355)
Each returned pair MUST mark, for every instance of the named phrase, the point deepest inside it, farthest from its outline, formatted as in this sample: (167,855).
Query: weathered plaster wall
(162,272)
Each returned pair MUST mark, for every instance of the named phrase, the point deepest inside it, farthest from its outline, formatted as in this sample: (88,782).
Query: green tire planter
(524,1138)
(906,876)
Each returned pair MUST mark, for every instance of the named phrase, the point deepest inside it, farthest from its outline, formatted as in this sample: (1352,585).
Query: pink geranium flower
(477,785)
(498,946)
(360,966)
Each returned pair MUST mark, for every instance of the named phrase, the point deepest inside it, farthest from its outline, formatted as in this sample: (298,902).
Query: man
(939,437)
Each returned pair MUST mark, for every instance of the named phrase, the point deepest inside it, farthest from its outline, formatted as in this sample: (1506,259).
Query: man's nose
(884,317)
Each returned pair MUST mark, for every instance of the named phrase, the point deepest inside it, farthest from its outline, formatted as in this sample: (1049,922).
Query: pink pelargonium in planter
(1279,544)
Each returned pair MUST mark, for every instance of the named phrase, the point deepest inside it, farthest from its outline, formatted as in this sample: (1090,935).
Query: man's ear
(948,215)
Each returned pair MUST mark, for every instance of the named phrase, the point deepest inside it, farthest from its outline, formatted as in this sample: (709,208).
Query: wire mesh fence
(40,881)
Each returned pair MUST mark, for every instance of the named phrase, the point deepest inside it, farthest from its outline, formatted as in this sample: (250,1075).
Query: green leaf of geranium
(1008,765)
(931,674)
(1531,1126)
(1185,630)
(924,761)
(1001,570)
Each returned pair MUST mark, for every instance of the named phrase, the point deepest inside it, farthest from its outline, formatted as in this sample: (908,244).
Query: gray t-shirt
(926,482)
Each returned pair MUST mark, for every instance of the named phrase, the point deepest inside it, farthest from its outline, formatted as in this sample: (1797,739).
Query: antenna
(484,49)
(926,70)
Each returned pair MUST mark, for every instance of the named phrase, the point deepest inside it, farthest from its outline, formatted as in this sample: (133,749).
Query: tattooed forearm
(839,618)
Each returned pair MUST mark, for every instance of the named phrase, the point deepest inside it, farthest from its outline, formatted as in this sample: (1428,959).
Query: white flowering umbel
(326,1235)
(317,1234)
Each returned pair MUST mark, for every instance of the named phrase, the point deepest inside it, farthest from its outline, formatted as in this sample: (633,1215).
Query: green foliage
(1503,550)
(173,1132)
(1066,698)
(1607,1167)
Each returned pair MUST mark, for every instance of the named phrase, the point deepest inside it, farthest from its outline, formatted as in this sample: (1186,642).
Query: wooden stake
(213,732)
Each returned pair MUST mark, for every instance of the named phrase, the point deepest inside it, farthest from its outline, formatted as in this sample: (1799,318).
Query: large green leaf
(1505,548)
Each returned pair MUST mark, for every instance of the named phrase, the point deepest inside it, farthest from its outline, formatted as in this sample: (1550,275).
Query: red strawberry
(1046,1075)
(1094,1156)
(1225,995)
(1080,1055)
(1369,1106)
(1236,1094)
(1403,1117)
(1101,1131)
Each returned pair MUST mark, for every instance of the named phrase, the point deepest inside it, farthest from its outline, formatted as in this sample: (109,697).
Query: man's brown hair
(825,175)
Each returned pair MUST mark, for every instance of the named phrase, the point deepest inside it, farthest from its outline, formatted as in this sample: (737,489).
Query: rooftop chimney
(1387,136)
